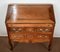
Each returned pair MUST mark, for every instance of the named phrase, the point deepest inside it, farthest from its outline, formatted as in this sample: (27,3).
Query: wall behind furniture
(3,10)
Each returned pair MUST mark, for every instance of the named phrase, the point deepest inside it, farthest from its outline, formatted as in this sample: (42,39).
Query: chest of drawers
(30,23)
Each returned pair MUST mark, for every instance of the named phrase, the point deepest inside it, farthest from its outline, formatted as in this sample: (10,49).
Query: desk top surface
(17,12)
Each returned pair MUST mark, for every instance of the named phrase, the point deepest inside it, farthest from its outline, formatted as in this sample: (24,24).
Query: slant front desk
(30,23)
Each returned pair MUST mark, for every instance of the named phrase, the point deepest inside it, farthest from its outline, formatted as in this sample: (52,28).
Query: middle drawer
(31,29)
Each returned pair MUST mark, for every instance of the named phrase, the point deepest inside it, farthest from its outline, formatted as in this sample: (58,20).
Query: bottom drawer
(29,37)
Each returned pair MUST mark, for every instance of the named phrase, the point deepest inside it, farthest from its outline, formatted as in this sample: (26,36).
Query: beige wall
(3,10)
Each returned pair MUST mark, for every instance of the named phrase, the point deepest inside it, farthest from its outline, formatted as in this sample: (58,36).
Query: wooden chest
(30,23)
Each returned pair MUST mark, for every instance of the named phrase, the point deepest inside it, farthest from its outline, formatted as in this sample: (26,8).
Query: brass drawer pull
(40,36)
(46,29)
(46,36)
(20,29)
(17,29)
(14,29)
(41,29)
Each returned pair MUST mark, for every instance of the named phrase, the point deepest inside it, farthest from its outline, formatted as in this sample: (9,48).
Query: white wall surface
(3,10)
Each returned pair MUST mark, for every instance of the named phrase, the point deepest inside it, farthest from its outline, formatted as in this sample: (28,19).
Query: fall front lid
(27,13)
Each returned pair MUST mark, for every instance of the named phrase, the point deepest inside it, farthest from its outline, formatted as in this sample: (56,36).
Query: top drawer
(30,25)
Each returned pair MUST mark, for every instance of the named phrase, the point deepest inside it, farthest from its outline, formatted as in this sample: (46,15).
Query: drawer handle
(46,29)
(43,36)
(17,29)
(40,36)
(14,29)
(41,30)
(46,36)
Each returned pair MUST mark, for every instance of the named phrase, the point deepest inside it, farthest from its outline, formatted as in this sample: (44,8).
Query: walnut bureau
(30,23)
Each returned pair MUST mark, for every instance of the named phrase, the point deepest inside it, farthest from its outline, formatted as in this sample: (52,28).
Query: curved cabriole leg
(11,45)
(49,46)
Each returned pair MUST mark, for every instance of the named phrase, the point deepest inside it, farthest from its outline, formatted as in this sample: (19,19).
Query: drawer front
(31,29)
(30,37)
(30,25)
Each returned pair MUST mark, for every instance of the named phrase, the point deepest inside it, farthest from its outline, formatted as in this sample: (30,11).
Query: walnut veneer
(30,23)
